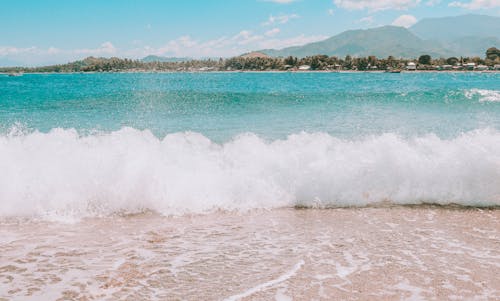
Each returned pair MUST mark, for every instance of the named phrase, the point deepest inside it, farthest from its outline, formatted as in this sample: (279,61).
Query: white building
(304,67)
(470,66)
(411,66)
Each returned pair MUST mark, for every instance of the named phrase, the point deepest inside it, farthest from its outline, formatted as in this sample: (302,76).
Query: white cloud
(330,12)
(376,5)
(246,37)
(174,46)
(432,2)
(53,50)
(367,20)
(106,48)
(9,50)
(184,46)
(272,32)
(405,21)
(242,42)
(52,55)
(476,4)
(281,19)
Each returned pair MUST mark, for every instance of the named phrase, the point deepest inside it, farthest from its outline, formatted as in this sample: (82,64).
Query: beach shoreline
(267,72)
(391,253)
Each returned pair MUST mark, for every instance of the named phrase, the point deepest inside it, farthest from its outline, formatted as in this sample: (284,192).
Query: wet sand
(395,253)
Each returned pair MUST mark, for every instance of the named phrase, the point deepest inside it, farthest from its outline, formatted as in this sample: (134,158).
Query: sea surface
(77,145)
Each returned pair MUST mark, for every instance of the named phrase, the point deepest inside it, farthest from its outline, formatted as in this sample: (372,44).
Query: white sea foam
(61,173)
(268,284)
(483,95)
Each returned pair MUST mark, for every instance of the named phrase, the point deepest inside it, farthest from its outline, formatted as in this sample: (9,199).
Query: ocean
(250,186)
(96,144)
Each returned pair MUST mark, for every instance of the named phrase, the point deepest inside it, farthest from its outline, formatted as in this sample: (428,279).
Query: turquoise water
(272,105)
(97,144)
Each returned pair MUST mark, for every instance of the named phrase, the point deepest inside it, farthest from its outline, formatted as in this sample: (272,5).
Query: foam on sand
(283,254)
(268,284)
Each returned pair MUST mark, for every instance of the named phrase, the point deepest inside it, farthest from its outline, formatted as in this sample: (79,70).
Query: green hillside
(380,42)
(467,35)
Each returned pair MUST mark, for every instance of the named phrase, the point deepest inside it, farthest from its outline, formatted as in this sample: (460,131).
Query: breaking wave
(127,171)
(483,95)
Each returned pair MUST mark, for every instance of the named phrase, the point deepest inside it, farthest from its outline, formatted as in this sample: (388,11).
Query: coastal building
(411,66)
(304,67)
(470,66)
(482,68)
(446,67)
(334,67)
(496,67)
(205,69)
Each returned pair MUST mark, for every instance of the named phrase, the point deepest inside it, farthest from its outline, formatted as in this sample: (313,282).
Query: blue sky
(35,32)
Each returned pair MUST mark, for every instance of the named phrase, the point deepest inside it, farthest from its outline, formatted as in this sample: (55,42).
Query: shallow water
(391,253)
(221,106)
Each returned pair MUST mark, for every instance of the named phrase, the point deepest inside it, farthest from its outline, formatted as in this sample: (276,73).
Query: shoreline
(254,71)
(68,219)
(345,253)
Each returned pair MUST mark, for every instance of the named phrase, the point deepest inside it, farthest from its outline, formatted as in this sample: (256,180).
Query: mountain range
(467,35)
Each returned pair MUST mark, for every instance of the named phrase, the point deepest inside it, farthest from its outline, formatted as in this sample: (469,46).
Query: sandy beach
(390,253)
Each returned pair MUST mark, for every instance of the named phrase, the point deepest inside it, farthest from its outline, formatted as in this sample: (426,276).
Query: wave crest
(61,172)
(483,95)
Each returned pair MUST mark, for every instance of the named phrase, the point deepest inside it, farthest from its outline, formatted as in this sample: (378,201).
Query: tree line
(260,63)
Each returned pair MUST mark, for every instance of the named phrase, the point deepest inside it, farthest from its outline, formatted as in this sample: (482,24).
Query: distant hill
(471,45)
(162,59)
(381,42)
(467,35)
(255,54)
(448,29)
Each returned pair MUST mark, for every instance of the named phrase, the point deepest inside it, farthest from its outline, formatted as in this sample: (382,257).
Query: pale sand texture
(398,253)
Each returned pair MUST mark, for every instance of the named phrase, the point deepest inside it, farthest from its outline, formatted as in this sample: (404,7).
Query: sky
(41,32)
